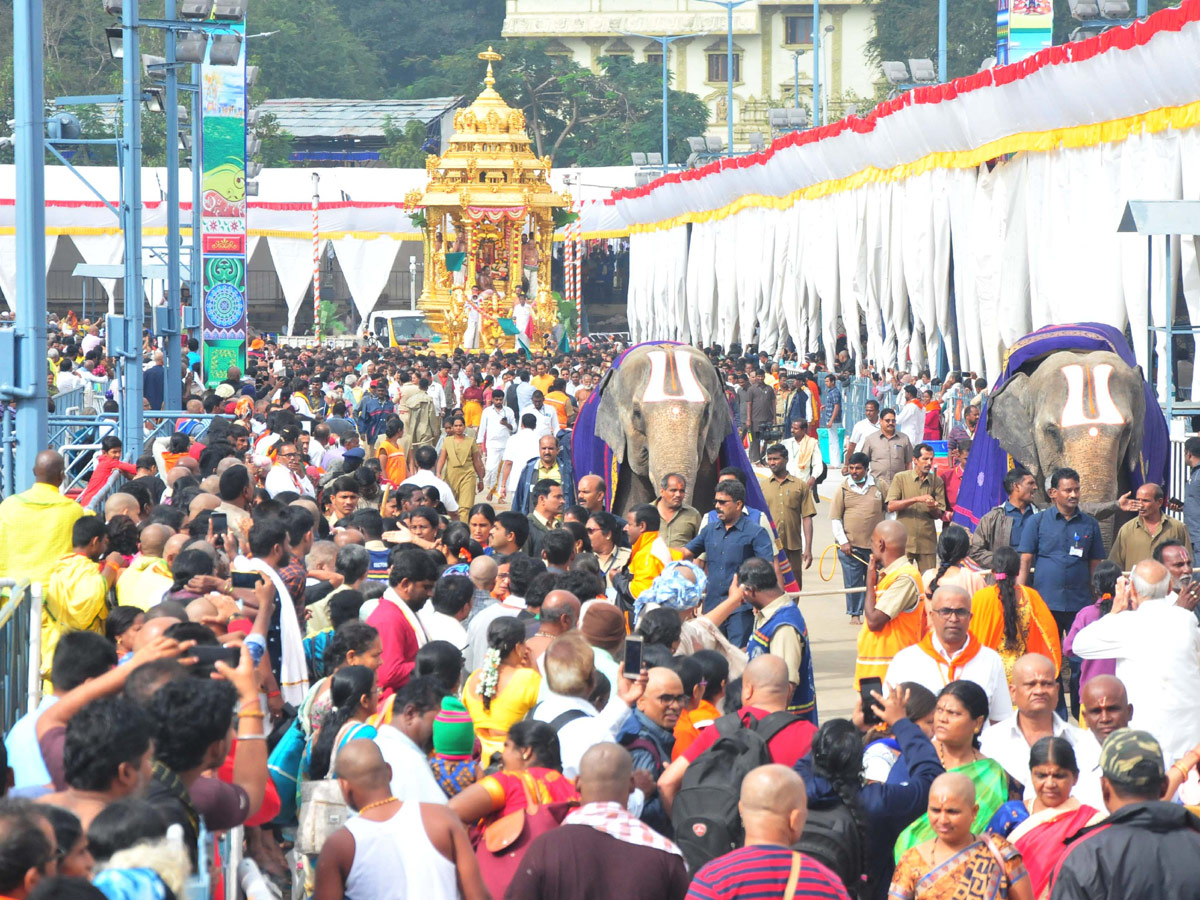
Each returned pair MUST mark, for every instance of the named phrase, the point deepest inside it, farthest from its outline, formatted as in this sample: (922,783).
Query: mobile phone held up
(633,656)
(209,655)
(865,688)
(248,580)
(220,523)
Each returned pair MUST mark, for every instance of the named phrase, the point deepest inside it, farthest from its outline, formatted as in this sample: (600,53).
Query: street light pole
(796,75)
(131,208)
(173,383)
(197,280)
(664,41)
(729,7)
(942,41)
(29,367)
(816,79)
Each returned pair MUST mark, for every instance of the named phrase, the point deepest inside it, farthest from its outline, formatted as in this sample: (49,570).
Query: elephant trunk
(1098,486)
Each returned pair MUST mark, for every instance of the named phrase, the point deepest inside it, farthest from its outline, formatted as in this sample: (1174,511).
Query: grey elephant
(1086,411)
(662,410)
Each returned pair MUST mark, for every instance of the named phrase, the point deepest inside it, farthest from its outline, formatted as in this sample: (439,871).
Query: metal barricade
(1177,468)
(69,401)
(21,638)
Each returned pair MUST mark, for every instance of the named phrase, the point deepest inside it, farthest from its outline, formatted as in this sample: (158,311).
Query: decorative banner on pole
(576,232)
(1023,27)
(316,211)
(223,216)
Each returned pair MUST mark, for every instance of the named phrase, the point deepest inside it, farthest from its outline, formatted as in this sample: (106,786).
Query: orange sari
(1037,630)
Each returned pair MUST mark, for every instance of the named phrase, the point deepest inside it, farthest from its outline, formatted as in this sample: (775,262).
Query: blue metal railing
(21,638)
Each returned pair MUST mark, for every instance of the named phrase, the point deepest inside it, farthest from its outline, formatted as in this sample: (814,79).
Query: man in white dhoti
(523,319)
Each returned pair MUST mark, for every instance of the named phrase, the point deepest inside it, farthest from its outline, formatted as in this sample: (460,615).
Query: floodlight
(1114,9)
(638,159)
(253,169)
(923,71)
(156,99)
(654,159)
(756,141)
(251,188)
(153,66)
(190,46)
(252,118)
(797,117)
(116,41)
(251,76)
(714,144)
(1084,9)
(696,144)
(253,146)
(226,50)
(777,118)
(113,7)
(195,9)
(229,10)
(895,72)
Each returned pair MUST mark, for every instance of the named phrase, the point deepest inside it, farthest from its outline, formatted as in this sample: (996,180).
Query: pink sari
(1041,840)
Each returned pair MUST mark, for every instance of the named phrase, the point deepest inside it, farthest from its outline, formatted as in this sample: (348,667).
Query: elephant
(1086,411)
(663,410)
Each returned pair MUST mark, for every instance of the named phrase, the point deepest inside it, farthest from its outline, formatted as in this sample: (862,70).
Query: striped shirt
(761,872)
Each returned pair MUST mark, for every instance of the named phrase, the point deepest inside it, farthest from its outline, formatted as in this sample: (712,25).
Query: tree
(405,147)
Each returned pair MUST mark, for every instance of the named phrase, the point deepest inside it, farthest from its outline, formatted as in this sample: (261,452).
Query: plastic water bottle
(254,885)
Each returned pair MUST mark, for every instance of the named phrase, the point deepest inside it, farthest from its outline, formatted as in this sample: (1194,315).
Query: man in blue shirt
(1003,525)
(735,539)
(831,404)
(1062,546)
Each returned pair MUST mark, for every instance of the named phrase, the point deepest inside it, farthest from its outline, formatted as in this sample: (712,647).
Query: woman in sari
(461,466)
(933,416)
(957,863)
(960,714)
(954,566)
(1011,618)
(530,779)
(1045,823)
(480,520)
(504,689)
(472,401)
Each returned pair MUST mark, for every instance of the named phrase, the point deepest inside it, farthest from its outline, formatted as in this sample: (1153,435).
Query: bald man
(482,572)
(1156,644)
(120,504)
(149,575)
(765,693)
(43,511)
(600,849)
(649,734)
(950,652)
(559,614)
(202,502)
(774,809)
(892,605)
(384,851)
(1035,695)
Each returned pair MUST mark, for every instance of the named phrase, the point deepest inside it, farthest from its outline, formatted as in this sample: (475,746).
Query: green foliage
(403,148)
(330,323)
(276,144)
(563,217)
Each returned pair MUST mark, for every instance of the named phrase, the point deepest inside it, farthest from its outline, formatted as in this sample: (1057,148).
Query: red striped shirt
(761,872)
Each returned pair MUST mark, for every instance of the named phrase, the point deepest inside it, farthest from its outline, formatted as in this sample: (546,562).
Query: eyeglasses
(953,613)
(723,502)
(672,699)
(591,530)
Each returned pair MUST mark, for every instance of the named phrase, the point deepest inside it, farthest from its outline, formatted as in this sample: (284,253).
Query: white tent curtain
(293,260)
(102,250)
(8,264)
(366,265)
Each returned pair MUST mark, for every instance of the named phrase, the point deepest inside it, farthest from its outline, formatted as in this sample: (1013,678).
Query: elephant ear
(608,415)
(1010,420)
(720,424)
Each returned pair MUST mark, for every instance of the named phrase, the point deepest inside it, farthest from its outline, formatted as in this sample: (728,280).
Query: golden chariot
(487,195)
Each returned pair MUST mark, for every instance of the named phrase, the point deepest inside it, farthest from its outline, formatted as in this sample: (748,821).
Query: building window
(716,67)
(655,59)
(797,29)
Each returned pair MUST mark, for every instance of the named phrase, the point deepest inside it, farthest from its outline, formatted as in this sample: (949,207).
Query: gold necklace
(376,803)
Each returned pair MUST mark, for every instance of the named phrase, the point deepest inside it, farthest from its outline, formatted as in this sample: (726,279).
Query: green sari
(991,792)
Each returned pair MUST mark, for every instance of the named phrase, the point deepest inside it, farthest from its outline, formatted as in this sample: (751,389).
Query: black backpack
(705,812)
(831,836)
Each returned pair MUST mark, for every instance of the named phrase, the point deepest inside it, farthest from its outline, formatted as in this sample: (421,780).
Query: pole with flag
(576,229)
(316,211)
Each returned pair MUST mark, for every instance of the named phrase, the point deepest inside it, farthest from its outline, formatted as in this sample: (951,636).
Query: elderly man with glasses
(649,736)
(288,474)
(950,652)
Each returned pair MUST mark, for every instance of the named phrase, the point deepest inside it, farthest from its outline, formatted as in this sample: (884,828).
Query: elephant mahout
(1070,395)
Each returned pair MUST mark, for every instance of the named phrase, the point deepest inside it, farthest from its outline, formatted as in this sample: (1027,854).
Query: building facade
(772,50)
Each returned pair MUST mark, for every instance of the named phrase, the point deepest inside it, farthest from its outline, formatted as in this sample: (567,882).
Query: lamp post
(729,6)
(665,42)
(796,54)
(131,202)
(173,383)
(942,41)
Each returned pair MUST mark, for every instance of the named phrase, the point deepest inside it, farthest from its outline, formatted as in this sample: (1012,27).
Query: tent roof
(307,117)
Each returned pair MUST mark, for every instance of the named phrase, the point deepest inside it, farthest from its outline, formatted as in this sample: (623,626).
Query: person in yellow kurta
(148,576)
(650,553)
(77,590)
(893,613)
(504,689)
(460,466)
(41,511)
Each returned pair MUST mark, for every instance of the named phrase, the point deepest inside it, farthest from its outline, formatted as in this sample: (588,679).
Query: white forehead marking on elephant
(1092,385)
(682,384)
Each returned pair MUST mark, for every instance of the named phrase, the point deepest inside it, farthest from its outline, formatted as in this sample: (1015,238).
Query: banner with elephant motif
(223,217)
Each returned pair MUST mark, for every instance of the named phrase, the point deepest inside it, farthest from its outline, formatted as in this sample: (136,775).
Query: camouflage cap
(1132,758)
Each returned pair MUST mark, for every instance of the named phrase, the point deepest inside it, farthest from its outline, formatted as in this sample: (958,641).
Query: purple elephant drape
(988,462)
